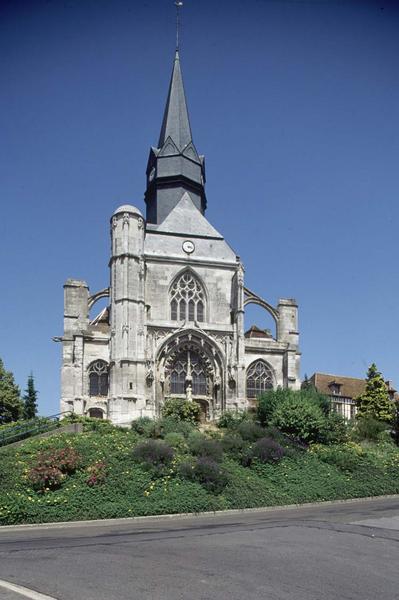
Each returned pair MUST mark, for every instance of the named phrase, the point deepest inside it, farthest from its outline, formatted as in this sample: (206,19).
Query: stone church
(174,325)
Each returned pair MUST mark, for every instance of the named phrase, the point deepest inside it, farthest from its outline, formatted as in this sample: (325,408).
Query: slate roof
(185,218)
(176,123)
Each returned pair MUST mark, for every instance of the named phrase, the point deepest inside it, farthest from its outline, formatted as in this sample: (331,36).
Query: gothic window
(98,378)
(187,299)
(173,309)
(259,379)
(188,368)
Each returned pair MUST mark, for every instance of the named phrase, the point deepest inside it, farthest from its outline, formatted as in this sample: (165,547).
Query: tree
(10,398)
(30,399)
(375,401)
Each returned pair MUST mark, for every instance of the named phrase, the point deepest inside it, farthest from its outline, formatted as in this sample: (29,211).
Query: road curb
(177,516)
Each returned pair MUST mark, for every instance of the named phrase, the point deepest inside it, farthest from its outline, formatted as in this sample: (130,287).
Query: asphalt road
(345,552)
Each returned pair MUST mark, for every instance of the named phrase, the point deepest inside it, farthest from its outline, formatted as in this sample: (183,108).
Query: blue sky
(295,105)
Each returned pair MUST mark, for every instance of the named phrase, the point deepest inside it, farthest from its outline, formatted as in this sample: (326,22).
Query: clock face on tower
(188,246)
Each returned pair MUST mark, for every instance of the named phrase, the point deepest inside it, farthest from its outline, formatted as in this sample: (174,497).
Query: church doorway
(96,413)
(203,404)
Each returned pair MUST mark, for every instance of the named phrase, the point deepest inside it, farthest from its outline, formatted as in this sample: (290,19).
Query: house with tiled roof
(343,391)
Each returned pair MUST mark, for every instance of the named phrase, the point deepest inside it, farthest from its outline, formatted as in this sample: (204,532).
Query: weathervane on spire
(178,4)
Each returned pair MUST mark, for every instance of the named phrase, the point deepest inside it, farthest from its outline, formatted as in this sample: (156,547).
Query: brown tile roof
(255,332)
(351,387)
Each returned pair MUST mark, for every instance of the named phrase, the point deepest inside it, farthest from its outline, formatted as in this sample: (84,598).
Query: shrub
(267,404)
(233,444)
(203,447)
(267,451)
(90,423)
(43,477)
(181,410)
(336,429)
(368,428)
(170,425)
(345,457)
(67,459)
(142,425)
(205,471)
(300,417)
(154,454)
(230,419)
(250,431)
(97,473)
(175,440)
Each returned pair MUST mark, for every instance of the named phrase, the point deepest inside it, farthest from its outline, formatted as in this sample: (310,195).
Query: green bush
(142,425)
(201,446)
(181,410)
(231,419)
(368,428)
(154,454)
(336,429)
(90,423)
(233,445)
(250,431)
(300,417)
(264,450)
(170,425)
(205,471)
(268,402)
(175,440)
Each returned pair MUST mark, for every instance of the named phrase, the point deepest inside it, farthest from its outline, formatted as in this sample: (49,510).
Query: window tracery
(187,299)
(98,378)
(188,369)
(259,379)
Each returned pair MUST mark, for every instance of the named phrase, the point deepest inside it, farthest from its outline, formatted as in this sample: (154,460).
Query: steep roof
(185,218)
(351,387)
(176,123)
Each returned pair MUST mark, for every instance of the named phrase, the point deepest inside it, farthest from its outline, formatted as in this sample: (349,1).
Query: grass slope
(320,473)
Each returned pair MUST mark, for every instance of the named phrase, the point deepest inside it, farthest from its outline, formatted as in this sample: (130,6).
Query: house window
(259,379)
(335,388)
(188,368)
(98,378)
(187,299)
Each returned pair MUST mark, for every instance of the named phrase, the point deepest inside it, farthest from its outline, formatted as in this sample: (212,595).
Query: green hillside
(170,467)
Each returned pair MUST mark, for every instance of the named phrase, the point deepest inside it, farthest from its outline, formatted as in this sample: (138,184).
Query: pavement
(346,551)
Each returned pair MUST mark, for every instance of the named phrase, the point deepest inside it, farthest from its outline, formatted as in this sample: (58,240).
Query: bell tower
(175,166)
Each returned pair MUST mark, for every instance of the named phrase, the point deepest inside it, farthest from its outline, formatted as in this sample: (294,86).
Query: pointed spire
(176,123)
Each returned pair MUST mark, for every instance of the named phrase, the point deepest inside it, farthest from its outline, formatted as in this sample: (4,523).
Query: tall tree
(11,406)
(375,401)
(30,399)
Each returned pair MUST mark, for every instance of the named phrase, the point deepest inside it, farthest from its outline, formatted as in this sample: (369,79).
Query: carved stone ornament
(140,223)
(141,267)
(126,218)
(114,222)
(240,274)
(231,380)
(149,377)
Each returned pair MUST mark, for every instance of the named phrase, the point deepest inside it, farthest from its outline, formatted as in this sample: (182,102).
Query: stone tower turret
(127,346)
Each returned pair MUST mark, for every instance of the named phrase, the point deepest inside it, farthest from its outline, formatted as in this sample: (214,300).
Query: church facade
(174,325)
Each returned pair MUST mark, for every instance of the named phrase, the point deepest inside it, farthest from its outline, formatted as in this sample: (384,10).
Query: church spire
(176,123)
(174,167)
